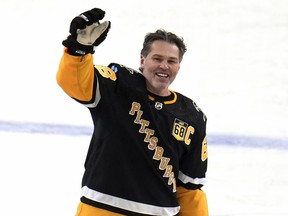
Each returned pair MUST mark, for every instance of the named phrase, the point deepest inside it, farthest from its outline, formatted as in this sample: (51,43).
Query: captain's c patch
(182,131)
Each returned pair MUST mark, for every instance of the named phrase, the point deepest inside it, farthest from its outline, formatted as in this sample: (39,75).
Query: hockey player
(148,151)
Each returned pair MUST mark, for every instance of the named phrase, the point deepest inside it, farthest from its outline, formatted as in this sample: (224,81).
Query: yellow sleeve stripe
(76,76)
(192,202)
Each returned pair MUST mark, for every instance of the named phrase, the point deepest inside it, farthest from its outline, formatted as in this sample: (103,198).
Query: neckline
(165,99)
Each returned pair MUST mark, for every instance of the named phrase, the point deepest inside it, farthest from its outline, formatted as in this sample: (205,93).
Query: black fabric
(121,161)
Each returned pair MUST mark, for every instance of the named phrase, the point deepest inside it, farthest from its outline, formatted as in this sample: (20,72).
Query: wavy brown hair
(163,35)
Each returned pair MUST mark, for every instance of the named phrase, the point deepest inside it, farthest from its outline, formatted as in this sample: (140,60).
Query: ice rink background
(236,69)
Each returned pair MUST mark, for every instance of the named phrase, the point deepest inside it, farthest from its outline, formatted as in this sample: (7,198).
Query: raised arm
(76,70)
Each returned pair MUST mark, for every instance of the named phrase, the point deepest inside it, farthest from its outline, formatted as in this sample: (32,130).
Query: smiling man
(160,61)
(148,151)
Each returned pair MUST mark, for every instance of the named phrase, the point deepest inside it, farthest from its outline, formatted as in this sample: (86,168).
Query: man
(148,151)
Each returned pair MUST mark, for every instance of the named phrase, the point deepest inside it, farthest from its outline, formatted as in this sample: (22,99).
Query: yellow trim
(192,202)
(151,98)
(88,210)
(75,76)
(171,101)
(166,102)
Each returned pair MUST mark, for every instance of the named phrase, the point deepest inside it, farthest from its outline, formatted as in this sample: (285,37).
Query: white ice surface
(41,175)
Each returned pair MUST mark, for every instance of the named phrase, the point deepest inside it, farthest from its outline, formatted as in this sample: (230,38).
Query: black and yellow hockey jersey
(143,148)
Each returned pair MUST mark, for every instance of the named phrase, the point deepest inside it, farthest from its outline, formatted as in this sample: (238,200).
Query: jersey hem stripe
(186,179)
(130,205)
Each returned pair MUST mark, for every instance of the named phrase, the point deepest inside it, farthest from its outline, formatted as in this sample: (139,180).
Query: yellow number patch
(204,154)
(182,131)
(106,72)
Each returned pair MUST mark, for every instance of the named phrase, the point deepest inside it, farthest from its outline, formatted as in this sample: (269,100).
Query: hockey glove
(87,32)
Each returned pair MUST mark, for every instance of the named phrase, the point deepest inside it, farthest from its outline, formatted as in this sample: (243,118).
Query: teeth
(162,75)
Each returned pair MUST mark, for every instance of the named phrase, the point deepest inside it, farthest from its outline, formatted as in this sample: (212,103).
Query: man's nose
(164,65)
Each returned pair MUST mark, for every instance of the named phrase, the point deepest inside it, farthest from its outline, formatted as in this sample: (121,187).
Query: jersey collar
(166,100)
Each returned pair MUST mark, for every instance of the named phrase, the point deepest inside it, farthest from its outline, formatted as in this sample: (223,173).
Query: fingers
(97,14)
(85,19)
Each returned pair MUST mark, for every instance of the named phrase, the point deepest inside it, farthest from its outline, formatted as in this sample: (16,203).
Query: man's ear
(142,59)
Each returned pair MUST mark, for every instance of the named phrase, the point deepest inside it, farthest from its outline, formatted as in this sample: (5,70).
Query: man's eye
(172,62)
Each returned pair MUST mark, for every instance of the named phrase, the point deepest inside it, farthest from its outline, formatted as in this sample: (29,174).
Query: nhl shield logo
(158,105)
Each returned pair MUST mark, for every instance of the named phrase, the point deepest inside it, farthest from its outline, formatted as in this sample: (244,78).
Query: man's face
(160,67)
